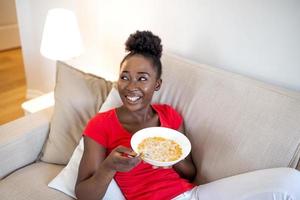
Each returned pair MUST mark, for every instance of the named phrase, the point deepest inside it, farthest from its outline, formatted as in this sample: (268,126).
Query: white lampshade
(61,37)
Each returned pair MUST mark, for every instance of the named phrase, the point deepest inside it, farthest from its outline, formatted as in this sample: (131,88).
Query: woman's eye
(142,79)
(124,78)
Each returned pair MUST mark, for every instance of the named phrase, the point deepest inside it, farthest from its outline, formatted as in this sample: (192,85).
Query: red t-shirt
(142,182)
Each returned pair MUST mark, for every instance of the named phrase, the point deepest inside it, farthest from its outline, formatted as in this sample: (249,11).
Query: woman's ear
(158,84)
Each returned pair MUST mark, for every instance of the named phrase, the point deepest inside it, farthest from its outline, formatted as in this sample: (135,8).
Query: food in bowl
(160,149)
(165,133)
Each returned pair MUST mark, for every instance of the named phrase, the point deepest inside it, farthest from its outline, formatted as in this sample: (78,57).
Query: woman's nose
(132,85)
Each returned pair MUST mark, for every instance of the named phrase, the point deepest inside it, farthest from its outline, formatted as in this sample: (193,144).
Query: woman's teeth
(133,99)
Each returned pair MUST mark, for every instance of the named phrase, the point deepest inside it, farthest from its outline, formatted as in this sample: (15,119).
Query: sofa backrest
(235,124)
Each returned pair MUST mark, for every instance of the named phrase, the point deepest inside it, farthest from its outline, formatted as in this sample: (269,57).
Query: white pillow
(112,100)
(65,181)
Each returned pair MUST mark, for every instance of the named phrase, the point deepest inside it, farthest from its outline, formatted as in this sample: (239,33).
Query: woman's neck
(139,116)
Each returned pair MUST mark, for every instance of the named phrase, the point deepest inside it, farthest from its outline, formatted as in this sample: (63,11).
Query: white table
(39,103)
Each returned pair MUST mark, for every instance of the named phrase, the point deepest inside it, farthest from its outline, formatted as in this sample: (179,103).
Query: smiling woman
(108,135)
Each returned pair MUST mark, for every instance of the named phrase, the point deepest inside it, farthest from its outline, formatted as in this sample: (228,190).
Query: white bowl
(163,132)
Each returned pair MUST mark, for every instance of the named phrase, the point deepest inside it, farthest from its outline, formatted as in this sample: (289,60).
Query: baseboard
(9,37)
(30,94)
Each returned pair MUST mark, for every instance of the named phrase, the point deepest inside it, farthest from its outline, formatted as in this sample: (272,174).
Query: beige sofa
(235,125)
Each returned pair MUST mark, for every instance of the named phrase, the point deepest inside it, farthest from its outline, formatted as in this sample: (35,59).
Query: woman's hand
(96,170)
(122,159)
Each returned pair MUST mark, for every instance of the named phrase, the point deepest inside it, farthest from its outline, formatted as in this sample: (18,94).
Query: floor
(12,85)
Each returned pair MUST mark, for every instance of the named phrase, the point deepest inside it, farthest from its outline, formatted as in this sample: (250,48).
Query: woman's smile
(133,98)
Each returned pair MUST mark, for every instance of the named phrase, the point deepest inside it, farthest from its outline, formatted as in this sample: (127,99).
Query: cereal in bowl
(160,149)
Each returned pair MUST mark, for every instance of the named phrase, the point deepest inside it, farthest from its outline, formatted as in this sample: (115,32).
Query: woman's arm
(93,176)
(96,172)
(185,168)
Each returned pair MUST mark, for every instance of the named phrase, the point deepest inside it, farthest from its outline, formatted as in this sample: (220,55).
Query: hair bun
(144,42)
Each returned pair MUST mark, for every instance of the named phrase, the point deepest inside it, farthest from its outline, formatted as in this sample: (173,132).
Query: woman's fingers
(124,159)
(126,151)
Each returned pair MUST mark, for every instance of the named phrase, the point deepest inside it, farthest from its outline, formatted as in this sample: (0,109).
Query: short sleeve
(169,117)
(96,130)
(175,117)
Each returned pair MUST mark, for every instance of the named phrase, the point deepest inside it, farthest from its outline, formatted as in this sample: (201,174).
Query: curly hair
(147,44)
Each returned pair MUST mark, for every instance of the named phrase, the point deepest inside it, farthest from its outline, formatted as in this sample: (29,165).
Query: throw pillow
(65,181)
(78,97)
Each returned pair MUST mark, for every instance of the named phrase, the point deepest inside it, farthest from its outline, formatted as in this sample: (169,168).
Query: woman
(107,153)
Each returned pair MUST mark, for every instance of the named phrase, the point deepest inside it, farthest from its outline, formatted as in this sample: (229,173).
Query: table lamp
(61,37)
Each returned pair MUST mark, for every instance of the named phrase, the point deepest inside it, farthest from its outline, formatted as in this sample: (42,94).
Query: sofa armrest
(21,141)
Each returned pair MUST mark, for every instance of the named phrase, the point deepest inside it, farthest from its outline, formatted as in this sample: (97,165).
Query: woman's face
(137,82)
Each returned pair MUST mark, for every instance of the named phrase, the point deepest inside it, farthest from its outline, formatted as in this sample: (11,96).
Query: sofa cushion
(235,124)
(30,183)
(78,97)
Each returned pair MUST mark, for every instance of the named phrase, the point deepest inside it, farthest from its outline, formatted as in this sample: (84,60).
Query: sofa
(235,124)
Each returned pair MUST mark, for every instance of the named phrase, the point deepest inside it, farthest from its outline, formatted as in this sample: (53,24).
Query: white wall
(257,38)
(40,72)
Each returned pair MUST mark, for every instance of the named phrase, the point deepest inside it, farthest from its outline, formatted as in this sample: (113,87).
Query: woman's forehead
(137,64)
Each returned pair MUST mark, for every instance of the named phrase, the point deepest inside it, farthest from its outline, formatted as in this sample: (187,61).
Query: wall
(9,32)
(257,38)
(40,72)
